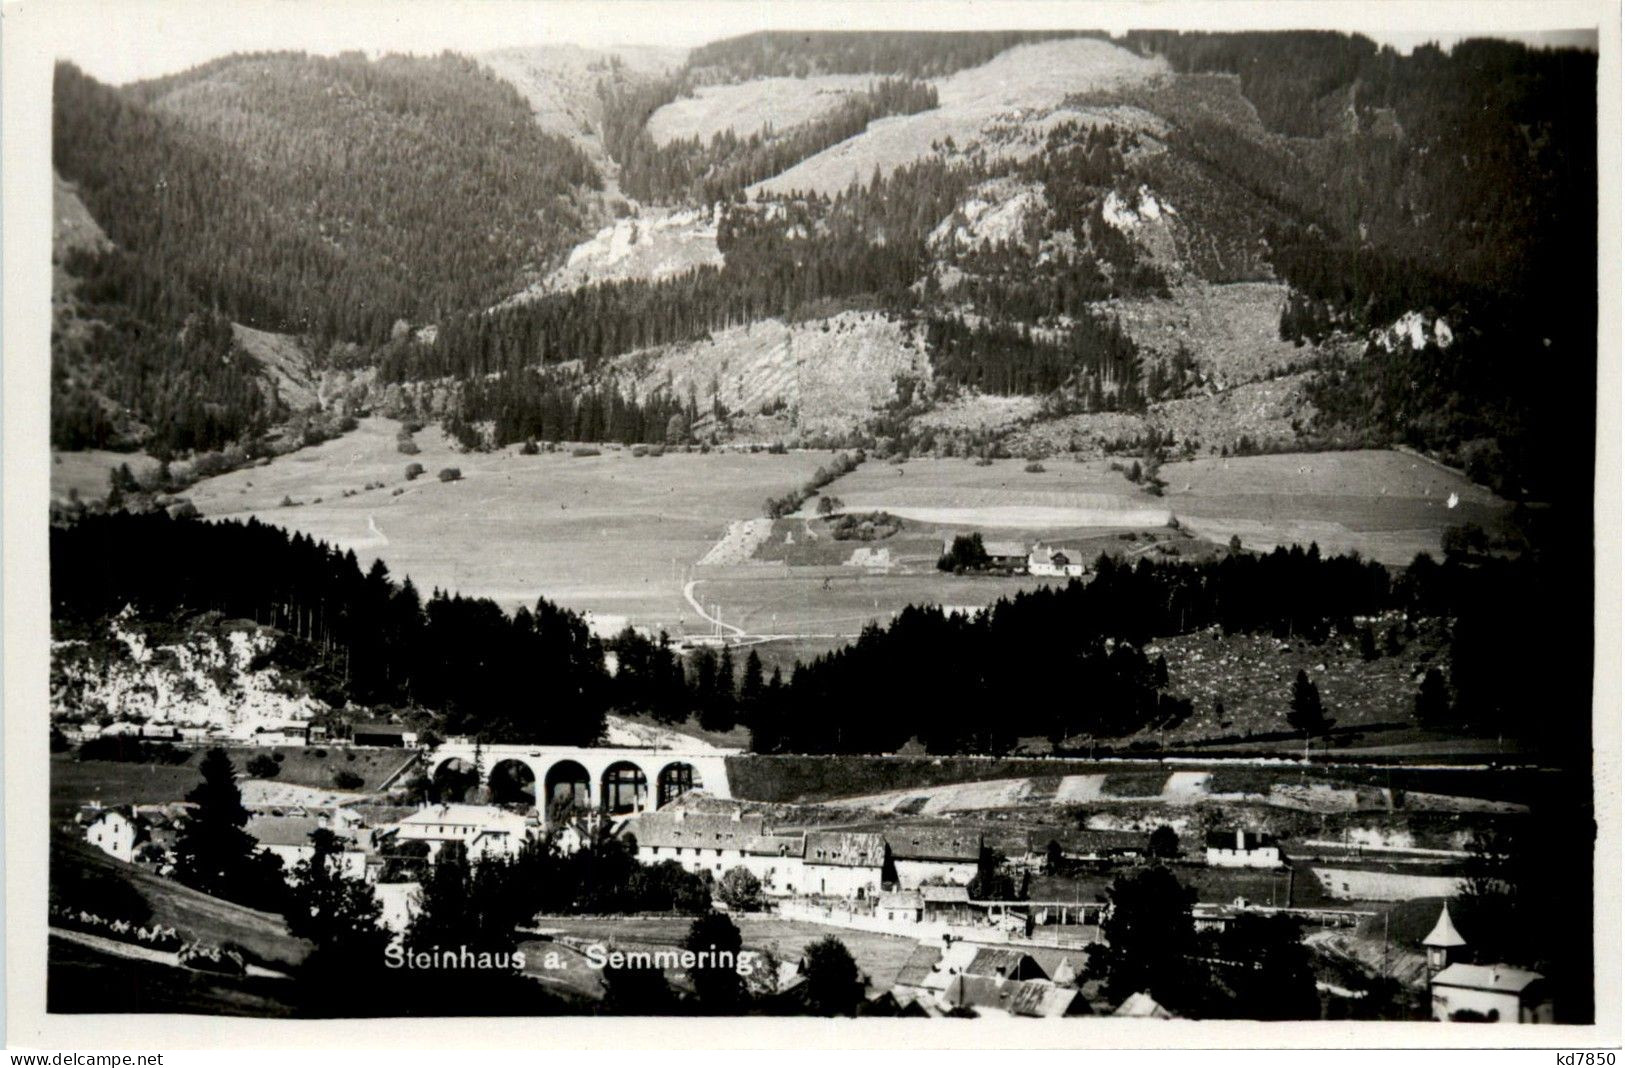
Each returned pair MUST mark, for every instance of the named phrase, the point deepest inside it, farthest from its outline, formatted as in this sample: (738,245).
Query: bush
(585,450)
(1034,468)
(740,890)
(345,779)
(449,474)
(529,448)
(413,470)
(262,767)
(287,502)
(407,447)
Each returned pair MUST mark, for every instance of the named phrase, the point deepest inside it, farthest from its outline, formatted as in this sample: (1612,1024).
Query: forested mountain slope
(1029,207)
(326,199)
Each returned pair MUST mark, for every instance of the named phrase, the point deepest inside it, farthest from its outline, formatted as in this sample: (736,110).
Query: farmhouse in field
(1055,563)
(1006,556)
(1242,849)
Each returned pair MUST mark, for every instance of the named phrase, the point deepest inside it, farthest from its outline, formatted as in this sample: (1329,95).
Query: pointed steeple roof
(1444,934)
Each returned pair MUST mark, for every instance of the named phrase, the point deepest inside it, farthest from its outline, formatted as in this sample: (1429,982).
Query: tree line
(358,636)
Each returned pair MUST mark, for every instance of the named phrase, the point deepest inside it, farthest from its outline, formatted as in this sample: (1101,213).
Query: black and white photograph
(975,516)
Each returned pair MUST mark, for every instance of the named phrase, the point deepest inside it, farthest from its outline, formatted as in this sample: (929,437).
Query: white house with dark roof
(115,832)
(1493,993)
(934,854)
(288,837)
(485,831)
(1055,562)
(845,864)
(1242,849)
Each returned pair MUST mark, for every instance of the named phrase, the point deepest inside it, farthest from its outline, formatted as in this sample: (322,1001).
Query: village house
(289,838)
(115,832)
(1493,993)
(1008,556)
(933,854)
(697,841)
(484,831)
(846,864)
(1242,849)
(1014,997)
(946,904)
(1054,563)
(900,906)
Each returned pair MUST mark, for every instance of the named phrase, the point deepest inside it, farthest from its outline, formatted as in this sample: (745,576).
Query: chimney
(1241,840)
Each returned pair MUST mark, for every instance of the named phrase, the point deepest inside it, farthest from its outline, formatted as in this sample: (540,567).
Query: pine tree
(213,853)
(1306,713)
(1433,699)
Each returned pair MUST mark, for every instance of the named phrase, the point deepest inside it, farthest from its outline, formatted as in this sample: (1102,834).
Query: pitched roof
(945,895)
(1063,966)
(484,817)
(1499,978)
(1444,934)
(920,964)
(1008,963)
(934,843)
(694,830)
(1143,1005)
(847,849)
(1033,997)
(282,830)
(904,899)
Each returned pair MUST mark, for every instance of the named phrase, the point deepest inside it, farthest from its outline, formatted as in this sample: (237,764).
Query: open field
(85,471)
(745,108)
(1003,494)
(608,534)
(1386,505)
(811,601)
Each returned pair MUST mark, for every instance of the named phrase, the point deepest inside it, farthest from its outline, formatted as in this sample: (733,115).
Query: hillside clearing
(748,107)
(1005,105)
(610,534)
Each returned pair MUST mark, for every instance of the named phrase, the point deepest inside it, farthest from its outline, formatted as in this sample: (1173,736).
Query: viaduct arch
(618,780)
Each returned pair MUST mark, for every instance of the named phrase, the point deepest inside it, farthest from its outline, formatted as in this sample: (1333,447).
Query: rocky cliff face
(213,674)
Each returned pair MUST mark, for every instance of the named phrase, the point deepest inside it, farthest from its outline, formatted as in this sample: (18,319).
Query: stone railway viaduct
(616,778)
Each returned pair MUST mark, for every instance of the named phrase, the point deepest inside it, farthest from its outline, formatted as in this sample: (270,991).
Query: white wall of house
(114,834)
(1262,857)
(911,874)
(1507,1005)
(838,880)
